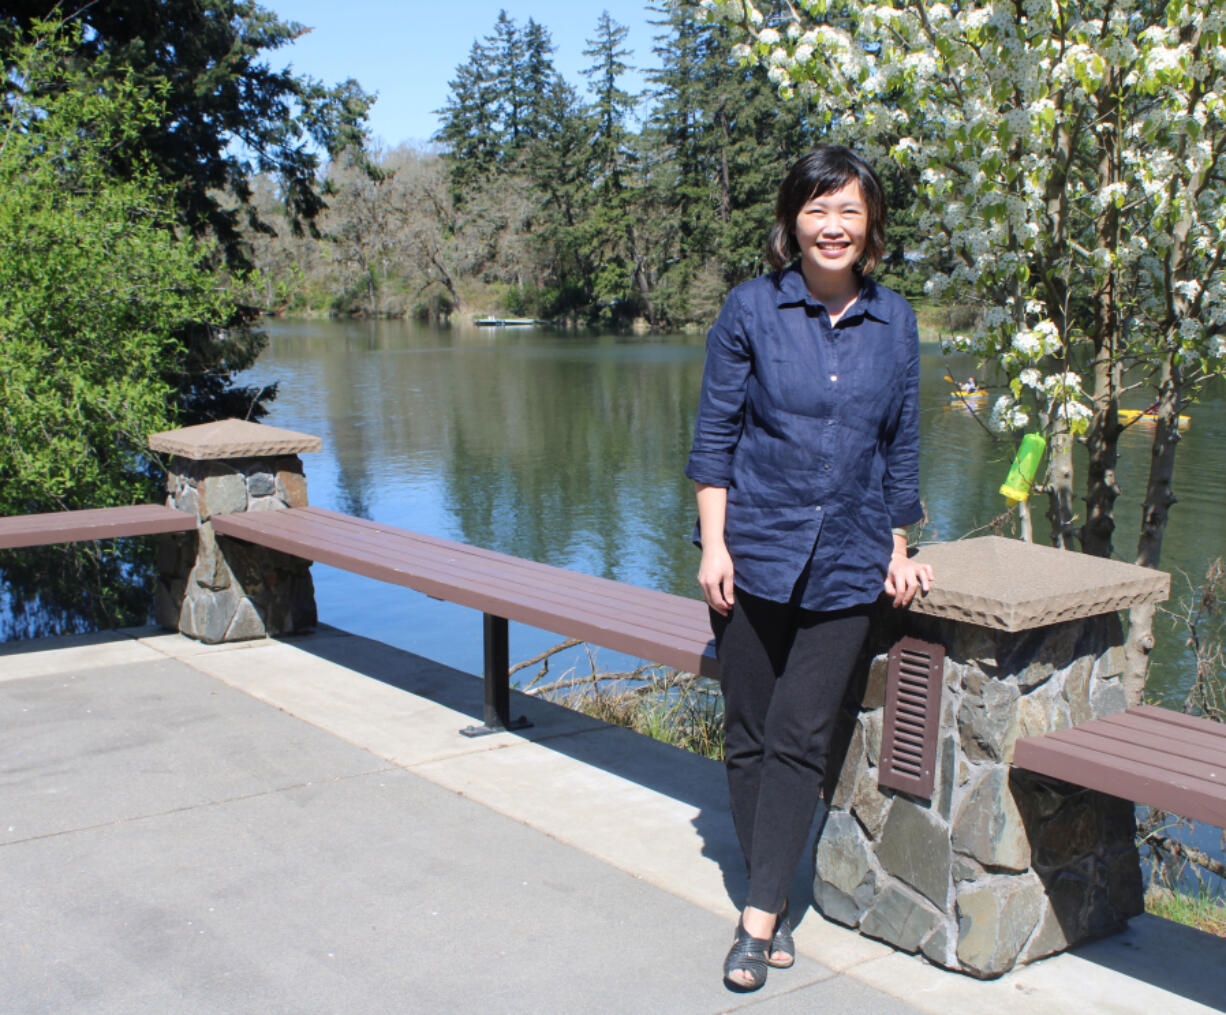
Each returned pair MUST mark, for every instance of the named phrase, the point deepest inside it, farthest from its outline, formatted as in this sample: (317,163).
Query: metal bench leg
(497,682)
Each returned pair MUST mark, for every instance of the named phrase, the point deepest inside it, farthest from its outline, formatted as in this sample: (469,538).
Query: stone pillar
(999,867)
(217,589)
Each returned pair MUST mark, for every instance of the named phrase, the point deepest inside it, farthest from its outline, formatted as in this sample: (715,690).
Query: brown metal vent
(912,717)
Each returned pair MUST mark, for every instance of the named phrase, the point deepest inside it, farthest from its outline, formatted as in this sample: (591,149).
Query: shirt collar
(790,289)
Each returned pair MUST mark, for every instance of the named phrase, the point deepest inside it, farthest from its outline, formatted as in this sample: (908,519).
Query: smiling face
(831,231)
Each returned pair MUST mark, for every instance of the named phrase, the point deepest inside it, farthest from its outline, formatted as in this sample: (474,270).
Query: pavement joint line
(519,742)
(868,960)
(153,816)
(753,999)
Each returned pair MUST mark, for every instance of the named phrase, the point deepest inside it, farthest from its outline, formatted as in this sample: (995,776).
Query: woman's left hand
(905,577)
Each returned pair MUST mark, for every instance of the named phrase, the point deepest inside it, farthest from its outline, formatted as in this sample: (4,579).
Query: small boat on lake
(1142,416)
(505,322)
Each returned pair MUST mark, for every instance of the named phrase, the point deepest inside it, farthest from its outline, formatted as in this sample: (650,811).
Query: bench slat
(667,615)
(1161,755)
(93,523)
(1179,741)
(1195,723)
(651,602)
(502,587)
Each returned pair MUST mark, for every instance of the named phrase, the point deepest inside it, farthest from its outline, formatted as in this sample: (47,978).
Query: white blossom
(1189,289)
(1007,415)
(1061,384)
(1027,343)
(1072,411)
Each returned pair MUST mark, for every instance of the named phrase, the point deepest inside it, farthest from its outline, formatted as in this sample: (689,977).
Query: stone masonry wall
(999,868)
(217,589)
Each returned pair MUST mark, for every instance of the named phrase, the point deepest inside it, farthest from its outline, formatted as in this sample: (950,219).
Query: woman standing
(805,459)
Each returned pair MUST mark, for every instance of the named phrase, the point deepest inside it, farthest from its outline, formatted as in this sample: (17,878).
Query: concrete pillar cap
(1010,585)
(232,438)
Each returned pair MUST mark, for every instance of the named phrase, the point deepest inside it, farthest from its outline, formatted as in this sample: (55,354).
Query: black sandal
(747,955)
(782,942)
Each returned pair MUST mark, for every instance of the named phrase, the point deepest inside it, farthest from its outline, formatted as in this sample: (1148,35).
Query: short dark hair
(824,170)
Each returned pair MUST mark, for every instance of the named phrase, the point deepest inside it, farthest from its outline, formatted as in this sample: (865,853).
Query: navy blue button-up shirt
(814,431)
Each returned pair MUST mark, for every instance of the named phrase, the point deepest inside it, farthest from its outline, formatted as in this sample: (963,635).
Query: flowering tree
(1070,158)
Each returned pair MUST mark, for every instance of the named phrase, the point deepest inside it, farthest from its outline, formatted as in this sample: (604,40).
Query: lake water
(568,449)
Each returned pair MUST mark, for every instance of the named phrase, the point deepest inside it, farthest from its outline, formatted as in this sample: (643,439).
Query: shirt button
(829,422)
(818,508)
(834,377)
(826,466)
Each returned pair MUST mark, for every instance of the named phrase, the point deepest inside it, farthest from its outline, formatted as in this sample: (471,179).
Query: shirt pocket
(874,392)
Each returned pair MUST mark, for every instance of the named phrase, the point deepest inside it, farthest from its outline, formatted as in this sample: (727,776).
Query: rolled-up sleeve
(721,406)
(900,482)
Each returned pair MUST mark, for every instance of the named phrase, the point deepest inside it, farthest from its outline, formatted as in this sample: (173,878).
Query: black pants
(784,673)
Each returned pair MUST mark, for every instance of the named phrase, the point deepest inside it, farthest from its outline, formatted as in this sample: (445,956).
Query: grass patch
(943,318)
(676,708)
(1202,911)
(931,317)
(672,707)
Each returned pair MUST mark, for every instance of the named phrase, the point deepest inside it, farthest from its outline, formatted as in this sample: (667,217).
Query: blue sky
(408,51)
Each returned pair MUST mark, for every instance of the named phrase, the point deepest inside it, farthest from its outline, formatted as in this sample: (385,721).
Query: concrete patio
(296,826)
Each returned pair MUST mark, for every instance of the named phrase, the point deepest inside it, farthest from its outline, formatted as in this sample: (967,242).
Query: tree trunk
(1060,491)
(639,276)
(1102,442)
(1025,525)
(1154,513)
(725,177)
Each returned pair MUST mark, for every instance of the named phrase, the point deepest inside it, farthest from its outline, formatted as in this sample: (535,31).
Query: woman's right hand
(715,577)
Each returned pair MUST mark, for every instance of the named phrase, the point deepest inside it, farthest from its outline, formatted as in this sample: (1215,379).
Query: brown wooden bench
(644,623)
(1153,756)
(95,523)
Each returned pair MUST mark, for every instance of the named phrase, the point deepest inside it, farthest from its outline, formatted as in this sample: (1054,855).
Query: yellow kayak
(1141,416)
(962,396)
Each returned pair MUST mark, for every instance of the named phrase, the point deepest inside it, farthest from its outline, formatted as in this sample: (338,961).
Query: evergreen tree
(611,105)
(723,141)
(469,128)
(678,145)
(620,282)
(757,138)
(505,50)
(556,163)
(537,77)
